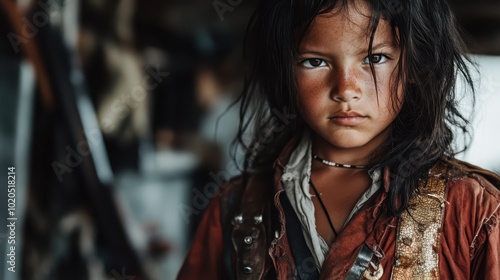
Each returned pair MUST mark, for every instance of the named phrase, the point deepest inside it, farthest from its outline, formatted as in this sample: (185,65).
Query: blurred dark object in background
(68,226)
(481,20)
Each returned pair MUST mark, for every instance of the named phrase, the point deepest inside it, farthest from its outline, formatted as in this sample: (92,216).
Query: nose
(345,86)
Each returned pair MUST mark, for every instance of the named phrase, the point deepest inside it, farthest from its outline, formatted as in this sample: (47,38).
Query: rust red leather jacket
(469,242)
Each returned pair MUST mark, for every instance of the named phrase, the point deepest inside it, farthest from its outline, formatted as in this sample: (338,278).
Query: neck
(353,156)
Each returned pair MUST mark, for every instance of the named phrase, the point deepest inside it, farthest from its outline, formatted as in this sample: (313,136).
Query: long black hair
(432,52)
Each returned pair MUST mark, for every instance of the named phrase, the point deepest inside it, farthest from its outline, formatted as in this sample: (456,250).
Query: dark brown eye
(375,58)
(316,62)
(313,63)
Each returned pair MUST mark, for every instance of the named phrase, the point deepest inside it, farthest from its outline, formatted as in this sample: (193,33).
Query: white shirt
(295,180)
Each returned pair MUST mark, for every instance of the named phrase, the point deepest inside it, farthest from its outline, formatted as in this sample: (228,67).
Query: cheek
(309,105)
(313,86)
(390,102)
(388,109)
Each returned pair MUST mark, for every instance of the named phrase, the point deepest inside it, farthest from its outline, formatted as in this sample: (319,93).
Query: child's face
(336,87)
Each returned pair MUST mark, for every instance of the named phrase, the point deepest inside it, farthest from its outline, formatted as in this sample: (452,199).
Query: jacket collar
(284,157)
(280,162)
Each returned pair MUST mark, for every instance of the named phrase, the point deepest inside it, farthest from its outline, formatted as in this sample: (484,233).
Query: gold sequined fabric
(418,234)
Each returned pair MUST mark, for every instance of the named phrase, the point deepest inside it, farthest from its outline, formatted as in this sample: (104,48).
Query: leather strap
(249,232)
(305,264)
(230,206)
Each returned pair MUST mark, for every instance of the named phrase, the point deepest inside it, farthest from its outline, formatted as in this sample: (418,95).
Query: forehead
(351,24)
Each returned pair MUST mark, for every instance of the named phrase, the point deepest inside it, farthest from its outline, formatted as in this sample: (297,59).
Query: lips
(348,118)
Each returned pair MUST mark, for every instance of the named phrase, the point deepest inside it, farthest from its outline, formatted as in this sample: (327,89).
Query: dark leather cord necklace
(323,206)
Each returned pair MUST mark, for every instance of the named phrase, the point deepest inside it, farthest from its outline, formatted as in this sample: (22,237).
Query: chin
(347,144)
(346,141)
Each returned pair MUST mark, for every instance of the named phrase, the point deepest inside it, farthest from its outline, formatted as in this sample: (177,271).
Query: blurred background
(108,112)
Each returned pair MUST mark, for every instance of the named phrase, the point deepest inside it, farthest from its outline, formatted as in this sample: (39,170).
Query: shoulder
(473,209)
(243,190)
(230,197)
(466,181)
(235,187)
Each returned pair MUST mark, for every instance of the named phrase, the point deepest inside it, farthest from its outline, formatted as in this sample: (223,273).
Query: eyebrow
(319,53)
(379,46)
(306,51)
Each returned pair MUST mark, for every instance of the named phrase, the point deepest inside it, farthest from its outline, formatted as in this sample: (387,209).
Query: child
(351,173)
